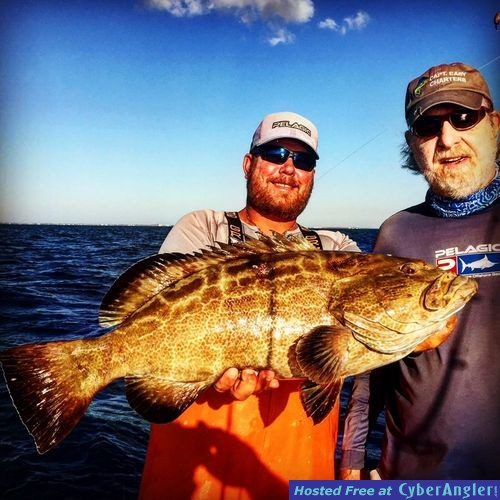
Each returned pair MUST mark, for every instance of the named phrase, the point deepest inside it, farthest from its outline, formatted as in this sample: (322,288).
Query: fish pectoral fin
(322,352)
(318,400)
(321,355)
(159,400)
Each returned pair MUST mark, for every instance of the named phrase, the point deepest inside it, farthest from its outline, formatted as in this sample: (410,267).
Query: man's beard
(461,181)
(283,207)
(458,182)
(454,184)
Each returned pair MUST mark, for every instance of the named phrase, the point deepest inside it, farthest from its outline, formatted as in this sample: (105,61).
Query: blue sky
(136,112)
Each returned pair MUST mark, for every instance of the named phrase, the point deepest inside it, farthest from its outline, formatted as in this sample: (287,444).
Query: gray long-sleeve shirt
(204,228)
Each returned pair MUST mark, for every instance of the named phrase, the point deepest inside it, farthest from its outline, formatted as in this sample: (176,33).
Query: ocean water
(52,281)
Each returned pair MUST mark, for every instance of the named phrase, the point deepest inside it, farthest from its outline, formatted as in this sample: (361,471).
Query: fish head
(414,292)
(393,304)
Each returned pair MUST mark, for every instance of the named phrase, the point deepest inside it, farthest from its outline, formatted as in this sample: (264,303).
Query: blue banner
(407,490)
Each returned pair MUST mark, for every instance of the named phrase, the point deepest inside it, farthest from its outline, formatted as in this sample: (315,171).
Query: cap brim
(465,98)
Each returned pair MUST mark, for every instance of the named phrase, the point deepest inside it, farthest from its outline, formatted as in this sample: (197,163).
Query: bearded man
(442,409)
(221,447)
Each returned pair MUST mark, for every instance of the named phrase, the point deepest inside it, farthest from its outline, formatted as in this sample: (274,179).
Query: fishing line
(352,153)
(380,133)
(488,63)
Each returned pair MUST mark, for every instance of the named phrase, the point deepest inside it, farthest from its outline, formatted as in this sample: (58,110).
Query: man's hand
(245,383)
(349,474)
(439,337)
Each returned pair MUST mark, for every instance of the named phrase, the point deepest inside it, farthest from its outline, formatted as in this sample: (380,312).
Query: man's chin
(282,212)
(456,183)
(454,191)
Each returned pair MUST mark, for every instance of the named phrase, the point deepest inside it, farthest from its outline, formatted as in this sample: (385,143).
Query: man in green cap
(441,406)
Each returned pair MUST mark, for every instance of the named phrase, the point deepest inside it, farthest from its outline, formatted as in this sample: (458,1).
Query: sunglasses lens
(427,126)
(275,155)
(278,155)
(464,119)
(304,161)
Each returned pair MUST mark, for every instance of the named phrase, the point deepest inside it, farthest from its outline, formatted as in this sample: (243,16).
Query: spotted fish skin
(180,321)
(233,315)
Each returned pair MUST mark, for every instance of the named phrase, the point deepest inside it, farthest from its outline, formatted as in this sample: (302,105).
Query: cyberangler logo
(286,123)
(420,85)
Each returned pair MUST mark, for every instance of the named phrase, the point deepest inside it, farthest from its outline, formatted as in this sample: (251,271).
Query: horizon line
(140,225)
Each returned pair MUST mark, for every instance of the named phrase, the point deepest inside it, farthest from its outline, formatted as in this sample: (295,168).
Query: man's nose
(448,136)
(288,167)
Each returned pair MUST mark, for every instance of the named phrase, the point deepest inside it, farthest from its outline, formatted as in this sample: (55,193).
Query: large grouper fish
(179,321)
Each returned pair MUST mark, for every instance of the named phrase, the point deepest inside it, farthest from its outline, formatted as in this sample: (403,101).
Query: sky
(139,111)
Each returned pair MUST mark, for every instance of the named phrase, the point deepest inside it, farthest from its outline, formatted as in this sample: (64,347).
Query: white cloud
(179,8)
(290,11)
(357,22)
(275,13)
(328,24)
(282,36)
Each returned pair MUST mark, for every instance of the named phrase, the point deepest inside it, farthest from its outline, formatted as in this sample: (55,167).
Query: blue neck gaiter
(447,207)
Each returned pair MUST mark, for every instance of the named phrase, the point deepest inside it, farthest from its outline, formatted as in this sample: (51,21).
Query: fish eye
(408,269)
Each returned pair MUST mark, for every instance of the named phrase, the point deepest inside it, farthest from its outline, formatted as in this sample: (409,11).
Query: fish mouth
(447,289)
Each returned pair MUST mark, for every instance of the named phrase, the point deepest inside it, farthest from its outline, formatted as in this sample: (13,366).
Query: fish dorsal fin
(142,281)
(275,243)
(280,243)
(145,279)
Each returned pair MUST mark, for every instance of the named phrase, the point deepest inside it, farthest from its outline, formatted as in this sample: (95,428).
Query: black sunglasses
(462,119)
(279,155)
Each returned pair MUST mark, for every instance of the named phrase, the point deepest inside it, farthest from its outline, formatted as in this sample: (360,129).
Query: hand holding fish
(245,383)
(350,474)
(438,338)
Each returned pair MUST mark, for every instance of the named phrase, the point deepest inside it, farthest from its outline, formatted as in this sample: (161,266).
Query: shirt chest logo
(477,261)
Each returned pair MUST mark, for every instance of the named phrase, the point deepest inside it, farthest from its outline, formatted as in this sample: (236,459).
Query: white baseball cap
(286,125)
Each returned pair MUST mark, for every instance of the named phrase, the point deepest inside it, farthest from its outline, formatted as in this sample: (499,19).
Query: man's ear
(408,137)
(247,164)
(495,117)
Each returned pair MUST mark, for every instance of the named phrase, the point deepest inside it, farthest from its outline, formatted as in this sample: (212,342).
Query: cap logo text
(299,126)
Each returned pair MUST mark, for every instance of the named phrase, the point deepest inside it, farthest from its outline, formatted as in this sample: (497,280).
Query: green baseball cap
(455,83)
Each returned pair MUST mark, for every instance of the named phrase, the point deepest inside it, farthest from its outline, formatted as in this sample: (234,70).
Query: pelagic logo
(286,123)
(480,260)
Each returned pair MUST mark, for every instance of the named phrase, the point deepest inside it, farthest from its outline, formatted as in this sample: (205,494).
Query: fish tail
(51,386)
